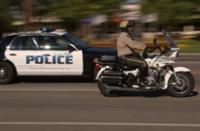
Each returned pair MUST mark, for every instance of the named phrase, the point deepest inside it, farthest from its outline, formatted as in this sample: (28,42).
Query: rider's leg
(132,60)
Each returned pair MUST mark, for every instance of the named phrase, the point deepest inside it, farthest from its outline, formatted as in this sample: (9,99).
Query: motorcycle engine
(131,80)
(151,79)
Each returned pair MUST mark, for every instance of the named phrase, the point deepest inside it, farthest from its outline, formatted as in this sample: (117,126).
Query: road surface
(48,105)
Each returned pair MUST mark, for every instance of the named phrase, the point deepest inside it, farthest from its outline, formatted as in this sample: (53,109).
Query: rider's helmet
(124,25)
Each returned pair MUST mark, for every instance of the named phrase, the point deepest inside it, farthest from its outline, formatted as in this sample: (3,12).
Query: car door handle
(46,54)
(12,54)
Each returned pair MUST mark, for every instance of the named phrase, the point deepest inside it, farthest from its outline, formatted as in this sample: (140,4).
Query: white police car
(44,54)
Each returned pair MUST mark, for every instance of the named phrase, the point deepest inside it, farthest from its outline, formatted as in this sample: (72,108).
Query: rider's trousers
(136,61)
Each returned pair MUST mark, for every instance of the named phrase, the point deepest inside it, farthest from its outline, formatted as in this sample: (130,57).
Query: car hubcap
(2,73)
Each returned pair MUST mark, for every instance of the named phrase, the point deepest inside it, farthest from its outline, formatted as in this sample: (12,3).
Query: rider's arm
(135,44)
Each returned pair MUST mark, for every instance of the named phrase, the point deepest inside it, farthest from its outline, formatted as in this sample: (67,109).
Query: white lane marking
(35,89)
(103,124)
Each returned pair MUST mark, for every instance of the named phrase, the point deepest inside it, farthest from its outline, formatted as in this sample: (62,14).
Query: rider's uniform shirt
(125,45)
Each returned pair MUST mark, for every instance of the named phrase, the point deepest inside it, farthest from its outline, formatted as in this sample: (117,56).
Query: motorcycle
(115,75)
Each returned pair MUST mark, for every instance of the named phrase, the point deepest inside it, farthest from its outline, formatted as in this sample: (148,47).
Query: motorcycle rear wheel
(104,91)
(185,87)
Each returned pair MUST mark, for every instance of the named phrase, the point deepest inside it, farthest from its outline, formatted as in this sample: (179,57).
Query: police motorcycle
(115,75)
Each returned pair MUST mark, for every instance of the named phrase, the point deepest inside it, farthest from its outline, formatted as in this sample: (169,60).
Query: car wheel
(7,73)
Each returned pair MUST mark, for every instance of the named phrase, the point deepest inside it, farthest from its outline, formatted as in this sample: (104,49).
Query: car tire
(7,73)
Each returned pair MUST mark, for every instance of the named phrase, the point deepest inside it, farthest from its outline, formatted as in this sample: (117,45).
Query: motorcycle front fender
(101,70)
(168,75)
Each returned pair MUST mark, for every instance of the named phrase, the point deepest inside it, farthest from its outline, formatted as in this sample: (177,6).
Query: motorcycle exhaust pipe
(112,78)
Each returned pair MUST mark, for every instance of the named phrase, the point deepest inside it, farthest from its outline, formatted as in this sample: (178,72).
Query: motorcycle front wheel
(182,89)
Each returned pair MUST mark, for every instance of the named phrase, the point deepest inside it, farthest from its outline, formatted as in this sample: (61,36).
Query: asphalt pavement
(48,105)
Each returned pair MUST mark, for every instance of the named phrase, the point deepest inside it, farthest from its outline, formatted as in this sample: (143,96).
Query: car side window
(15,45)
(29,43)
(25,43)
(53,43)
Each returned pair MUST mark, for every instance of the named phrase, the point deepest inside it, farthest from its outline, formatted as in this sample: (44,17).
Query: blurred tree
(172,12)
(72,11)
(83,8)
(42,7)
(5,17)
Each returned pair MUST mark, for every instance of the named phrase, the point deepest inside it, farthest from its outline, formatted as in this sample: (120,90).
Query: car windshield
(76,41)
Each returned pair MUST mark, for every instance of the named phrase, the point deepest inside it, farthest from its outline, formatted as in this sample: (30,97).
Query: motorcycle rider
(130,51)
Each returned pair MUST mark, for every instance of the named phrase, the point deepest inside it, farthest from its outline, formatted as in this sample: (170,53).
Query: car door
(60,58)
(24,54)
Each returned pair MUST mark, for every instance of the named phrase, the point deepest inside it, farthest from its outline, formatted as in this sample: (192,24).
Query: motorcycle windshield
(170,40)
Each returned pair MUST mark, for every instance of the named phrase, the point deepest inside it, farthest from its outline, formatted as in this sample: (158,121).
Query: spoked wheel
(184,87)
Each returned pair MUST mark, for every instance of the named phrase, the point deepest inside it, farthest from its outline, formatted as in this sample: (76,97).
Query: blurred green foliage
(42,7)
(83,8)
(170,12)
(72,11)
(189,45)
(173,12)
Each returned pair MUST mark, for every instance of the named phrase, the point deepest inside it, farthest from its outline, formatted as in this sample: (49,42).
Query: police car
(47,54)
